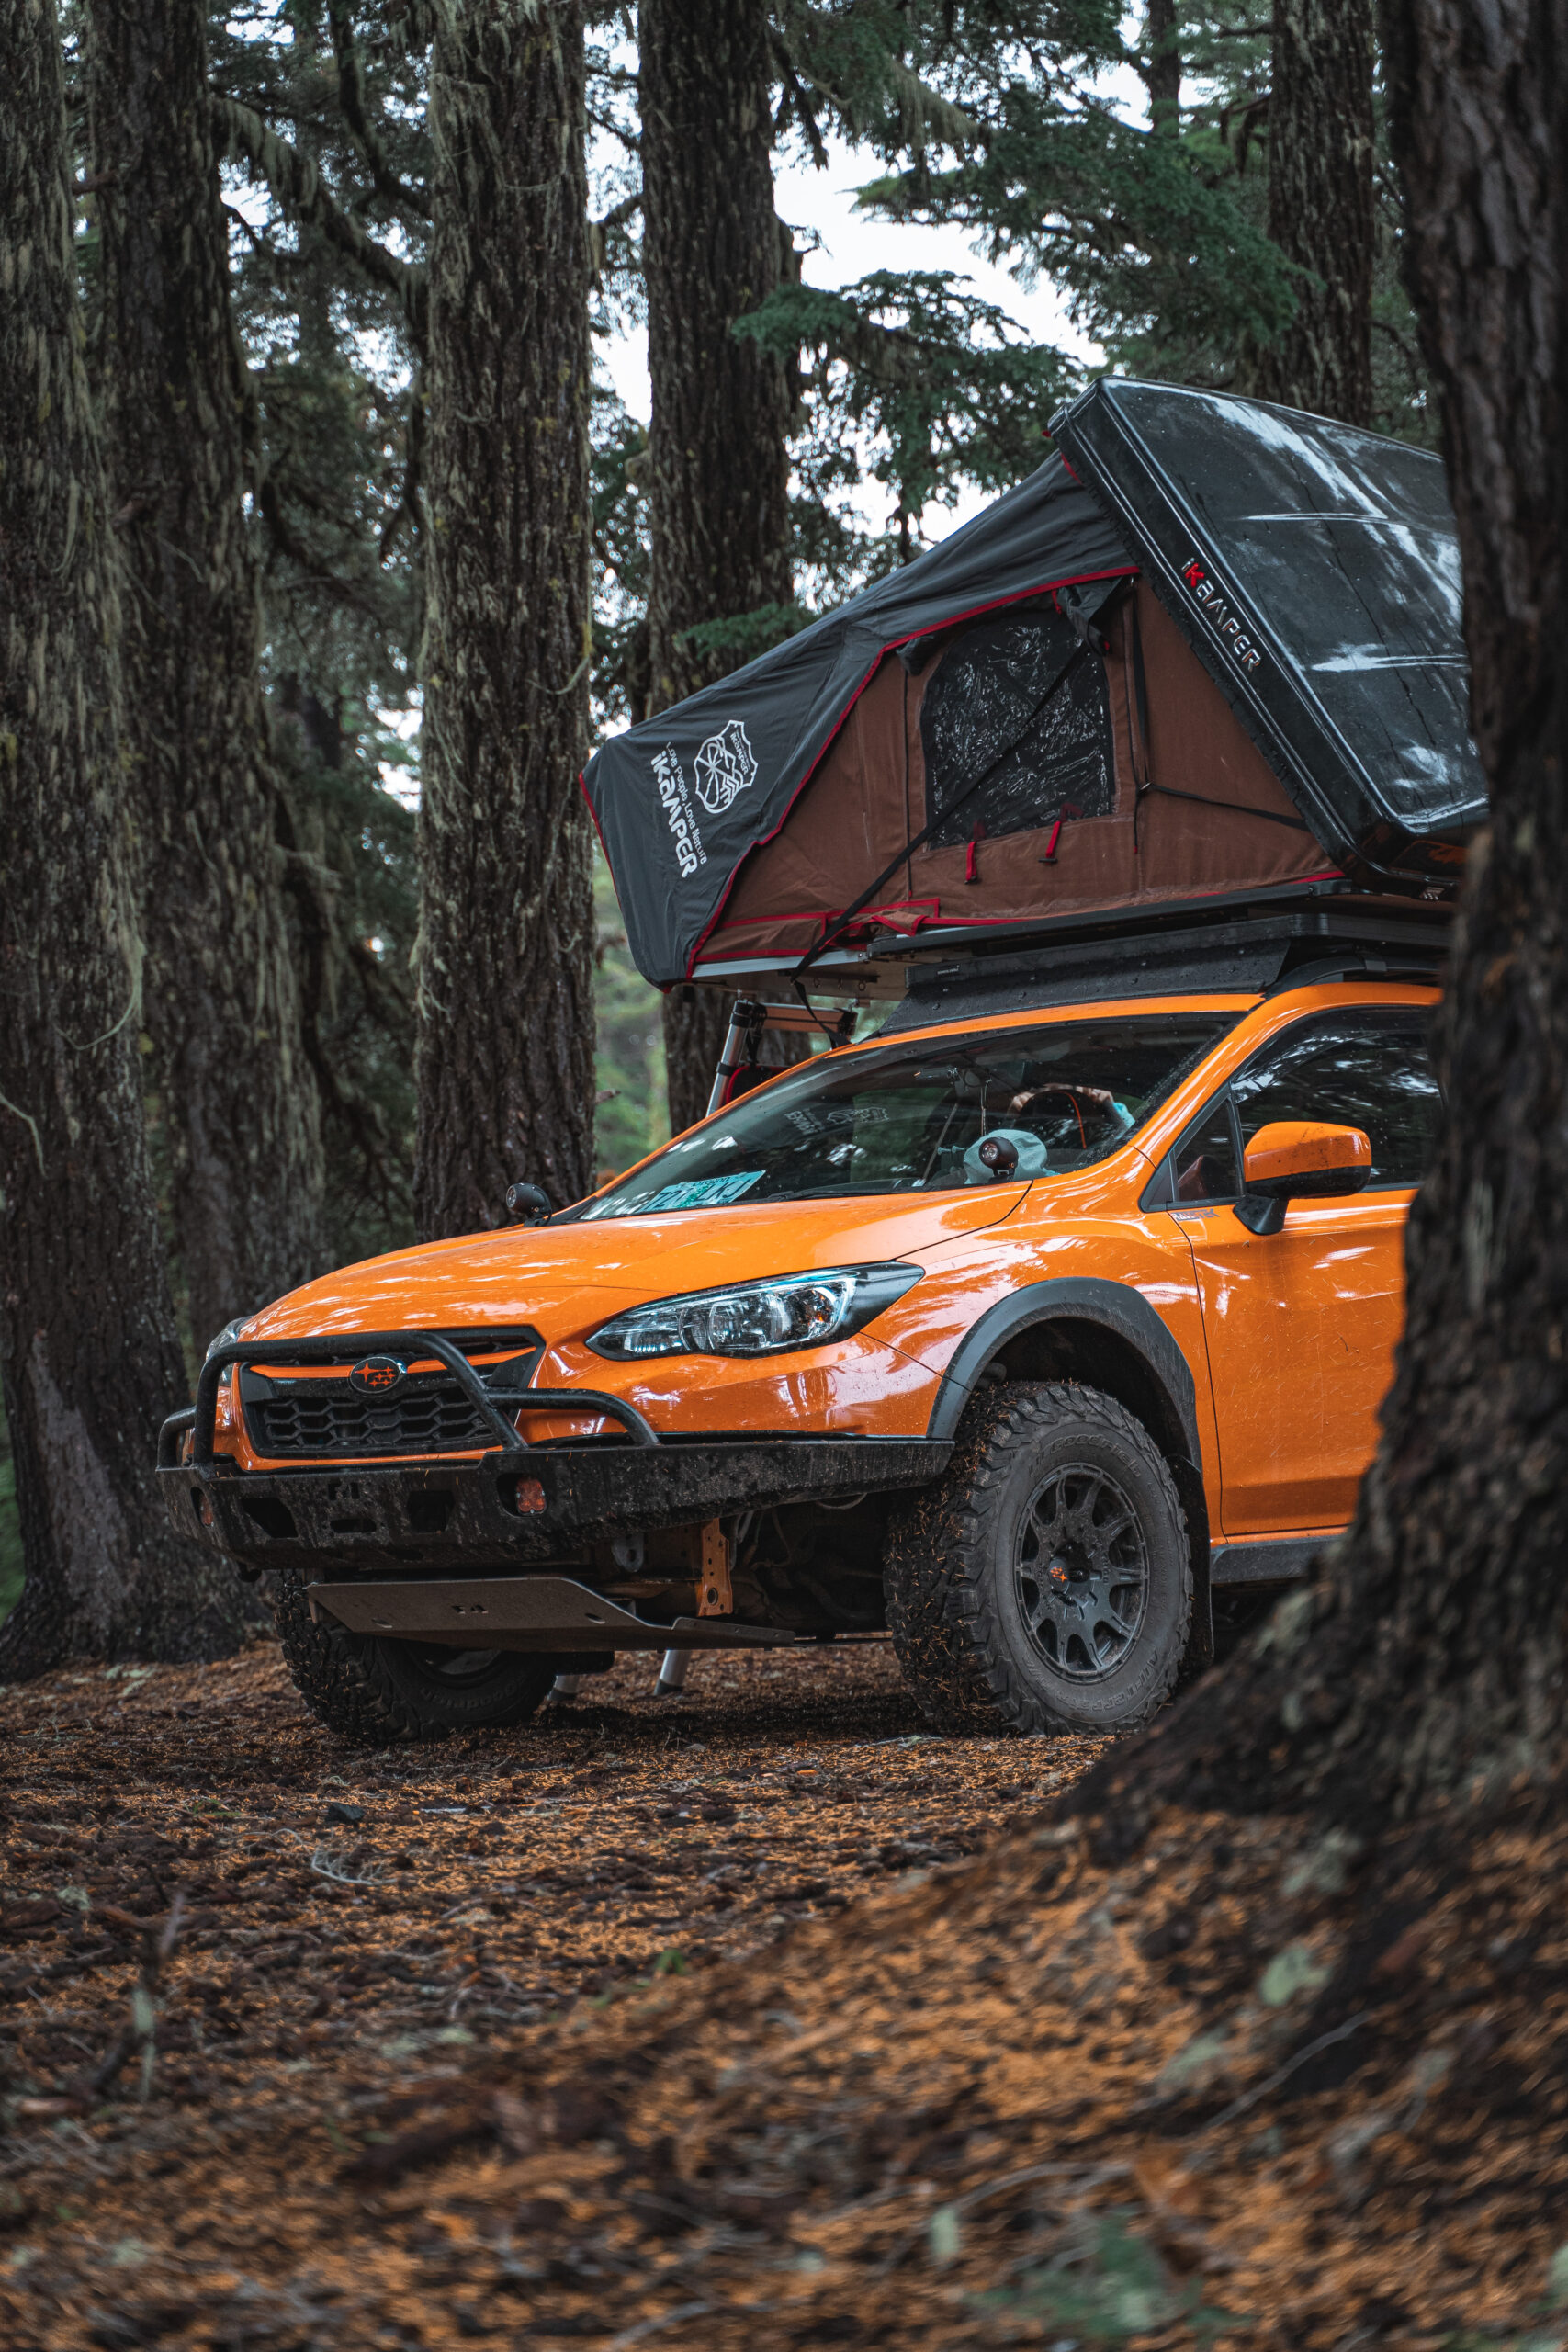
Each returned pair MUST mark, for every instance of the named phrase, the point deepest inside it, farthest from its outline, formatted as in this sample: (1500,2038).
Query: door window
(1352,1069)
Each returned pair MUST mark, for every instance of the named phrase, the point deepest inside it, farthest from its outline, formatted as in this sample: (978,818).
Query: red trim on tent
(824,916)
(950,620)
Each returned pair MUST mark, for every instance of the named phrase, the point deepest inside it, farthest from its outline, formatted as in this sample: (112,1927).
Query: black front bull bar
(516,1509)
(201,1419)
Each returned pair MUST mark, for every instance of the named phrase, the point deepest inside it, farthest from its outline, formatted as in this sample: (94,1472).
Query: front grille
(324,1419)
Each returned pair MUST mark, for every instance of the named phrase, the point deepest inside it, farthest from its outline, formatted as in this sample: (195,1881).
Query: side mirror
(526,1205)
(1298,1160)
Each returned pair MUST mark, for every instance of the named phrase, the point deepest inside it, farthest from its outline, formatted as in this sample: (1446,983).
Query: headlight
(238,1329)
(755,1318)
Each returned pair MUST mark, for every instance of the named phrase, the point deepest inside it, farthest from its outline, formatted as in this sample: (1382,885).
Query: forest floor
(757,2019)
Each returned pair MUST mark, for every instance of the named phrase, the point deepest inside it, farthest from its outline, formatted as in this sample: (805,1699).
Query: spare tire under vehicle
(1046,1582)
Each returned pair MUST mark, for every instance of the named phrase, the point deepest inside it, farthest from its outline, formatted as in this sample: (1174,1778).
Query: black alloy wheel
(1082,1571)
(1045,1582)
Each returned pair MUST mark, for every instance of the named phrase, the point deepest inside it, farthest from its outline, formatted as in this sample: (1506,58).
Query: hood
(565,1278)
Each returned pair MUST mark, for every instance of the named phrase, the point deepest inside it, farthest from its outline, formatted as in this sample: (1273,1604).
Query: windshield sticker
(675,794)
(818,1119)
(726,766)
(700,1191)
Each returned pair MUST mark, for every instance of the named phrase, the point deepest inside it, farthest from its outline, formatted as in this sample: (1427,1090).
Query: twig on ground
(1092,2177)
(158,1942)
(647,2327)
(323,1861)
(1282,2074)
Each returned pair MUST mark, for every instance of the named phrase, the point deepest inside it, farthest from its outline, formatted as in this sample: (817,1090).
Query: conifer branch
(297,184)
(351,101)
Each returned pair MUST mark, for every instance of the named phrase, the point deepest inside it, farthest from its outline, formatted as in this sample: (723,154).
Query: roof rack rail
(1256,956)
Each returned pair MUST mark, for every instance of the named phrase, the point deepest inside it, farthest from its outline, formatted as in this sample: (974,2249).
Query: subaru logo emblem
(376,1376)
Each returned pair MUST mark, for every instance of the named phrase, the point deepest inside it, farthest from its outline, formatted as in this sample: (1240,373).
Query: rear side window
(1371,1070)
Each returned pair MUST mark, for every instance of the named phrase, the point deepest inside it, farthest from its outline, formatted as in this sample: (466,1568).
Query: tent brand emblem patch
(1227,623)
(376,1376)
(726,766)
(675,797)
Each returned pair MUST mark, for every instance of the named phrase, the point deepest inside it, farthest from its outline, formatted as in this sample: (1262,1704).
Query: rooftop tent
(1028,723)
(1315,570)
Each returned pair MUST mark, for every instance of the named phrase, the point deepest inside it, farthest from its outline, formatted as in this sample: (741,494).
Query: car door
(1301,1325)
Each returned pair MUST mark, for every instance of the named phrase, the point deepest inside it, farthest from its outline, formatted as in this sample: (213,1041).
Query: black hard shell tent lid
(1213,648)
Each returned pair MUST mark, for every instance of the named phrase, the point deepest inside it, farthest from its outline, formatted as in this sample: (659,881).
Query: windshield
(928,1114)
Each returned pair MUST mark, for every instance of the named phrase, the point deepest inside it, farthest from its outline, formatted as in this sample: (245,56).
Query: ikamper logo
(1227,624)
(675,794)
(726,766)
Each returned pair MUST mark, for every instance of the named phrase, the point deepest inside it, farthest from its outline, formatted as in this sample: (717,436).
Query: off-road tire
(954,1604)
(376,1693)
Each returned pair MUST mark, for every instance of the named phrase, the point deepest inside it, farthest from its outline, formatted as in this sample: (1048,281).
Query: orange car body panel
(1289,1336)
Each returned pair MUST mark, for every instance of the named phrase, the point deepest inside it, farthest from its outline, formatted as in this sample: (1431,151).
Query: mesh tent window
(984,710)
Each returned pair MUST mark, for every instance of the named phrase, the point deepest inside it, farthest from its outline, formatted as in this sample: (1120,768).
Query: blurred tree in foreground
(1429,1663)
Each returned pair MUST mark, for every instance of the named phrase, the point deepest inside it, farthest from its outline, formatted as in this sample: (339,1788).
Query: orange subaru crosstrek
(1023,1333)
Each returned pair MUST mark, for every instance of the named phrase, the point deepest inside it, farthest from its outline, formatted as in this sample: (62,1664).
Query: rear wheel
(374,1693)
(1046,1583)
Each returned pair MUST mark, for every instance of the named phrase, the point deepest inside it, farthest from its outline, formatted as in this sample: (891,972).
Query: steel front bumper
(518,1510)
(459,1549)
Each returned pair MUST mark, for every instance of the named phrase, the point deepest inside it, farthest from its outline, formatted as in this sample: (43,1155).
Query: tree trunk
(505,953)
(718,464)
(89,1358)
(1320,205)
(237,1095)
(1435,1655)
(1163,73)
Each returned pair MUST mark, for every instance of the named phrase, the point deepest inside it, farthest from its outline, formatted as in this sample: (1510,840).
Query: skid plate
(523,1613)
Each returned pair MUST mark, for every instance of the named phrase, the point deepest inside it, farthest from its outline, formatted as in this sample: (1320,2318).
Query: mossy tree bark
(89,1353)
(229,1061)
(718,465)
(1434,1656)
(505,954)
(1320,205)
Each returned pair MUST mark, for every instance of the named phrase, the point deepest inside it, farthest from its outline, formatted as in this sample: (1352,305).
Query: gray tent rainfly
(1213,650)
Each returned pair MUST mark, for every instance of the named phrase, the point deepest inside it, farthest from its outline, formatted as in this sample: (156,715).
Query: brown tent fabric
(1196,813)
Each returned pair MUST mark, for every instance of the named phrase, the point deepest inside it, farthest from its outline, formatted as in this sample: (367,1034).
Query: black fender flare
(1118,1308)
(1083,1299)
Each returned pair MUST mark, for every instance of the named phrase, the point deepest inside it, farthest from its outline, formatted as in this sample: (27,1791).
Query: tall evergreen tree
(506,952)
(89,1353)
(330,333)
(1320,209)
(718,463)
(237,1095)
(1161,65)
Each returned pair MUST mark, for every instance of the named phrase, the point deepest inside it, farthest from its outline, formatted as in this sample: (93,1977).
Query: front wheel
(1046,1583)
(375,1692)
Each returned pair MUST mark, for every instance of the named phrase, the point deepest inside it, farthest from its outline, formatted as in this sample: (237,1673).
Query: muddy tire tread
(341,1678)
(943,1621)
(344,1681)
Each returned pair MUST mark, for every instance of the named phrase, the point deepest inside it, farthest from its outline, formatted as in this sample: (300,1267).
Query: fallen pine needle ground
(758,2019)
